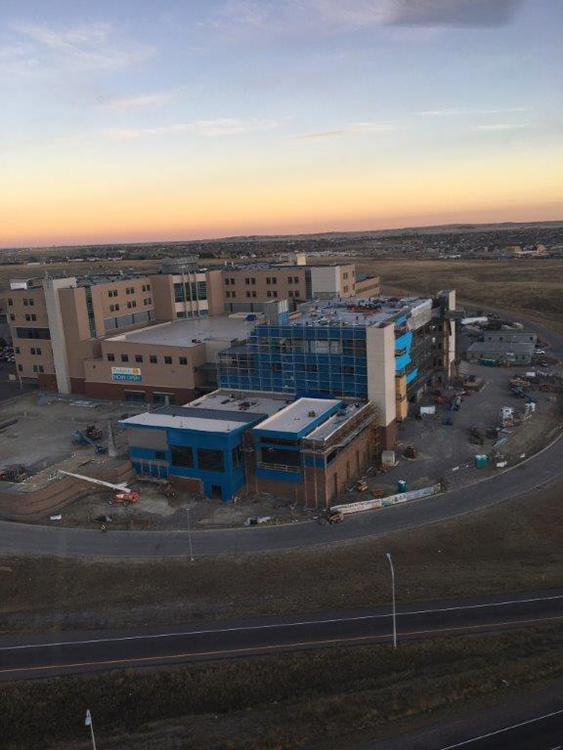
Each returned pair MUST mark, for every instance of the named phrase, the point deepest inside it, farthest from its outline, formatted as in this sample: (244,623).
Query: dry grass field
(532,288)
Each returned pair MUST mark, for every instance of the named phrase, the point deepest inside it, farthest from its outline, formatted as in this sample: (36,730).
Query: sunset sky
(139,120)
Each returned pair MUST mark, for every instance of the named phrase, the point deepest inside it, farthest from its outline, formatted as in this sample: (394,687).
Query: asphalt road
(533,721)
(44,656)
(529,475)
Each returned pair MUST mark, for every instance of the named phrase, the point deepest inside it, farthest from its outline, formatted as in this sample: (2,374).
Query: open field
(513,547)
(335,696)
(532,288)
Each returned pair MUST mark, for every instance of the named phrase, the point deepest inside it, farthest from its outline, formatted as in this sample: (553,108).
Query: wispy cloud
(96,46)
(205,128)
(503,126)
(356,128)
(138,101)
(272,17)
(468,112)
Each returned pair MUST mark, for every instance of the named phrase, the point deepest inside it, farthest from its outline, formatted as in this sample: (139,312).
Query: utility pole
(394,603)
(88,722)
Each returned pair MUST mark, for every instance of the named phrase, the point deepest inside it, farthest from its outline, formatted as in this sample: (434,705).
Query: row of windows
(33,350)
(27,301)
(36,368)
(153,359)
(28,316)
(208,459)
(129,290)
(251,280)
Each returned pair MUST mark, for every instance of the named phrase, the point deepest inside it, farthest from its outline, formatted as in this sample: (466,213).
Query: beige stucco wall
(380,349)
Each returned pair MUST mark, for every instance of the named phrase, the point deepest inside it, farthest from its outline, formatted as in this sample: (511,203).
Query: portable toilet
(401,486)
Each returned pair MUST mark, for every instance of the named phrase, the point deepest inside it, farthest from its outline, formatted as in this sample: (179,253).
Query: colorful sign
(130,374)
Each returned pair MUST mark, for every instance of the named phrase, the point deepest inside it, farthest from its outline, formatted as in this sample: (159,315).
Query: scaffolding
(324,357)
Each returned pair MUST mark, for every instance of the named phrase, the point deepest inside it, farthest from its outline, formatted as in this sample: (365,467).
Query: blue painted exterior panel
(284,476)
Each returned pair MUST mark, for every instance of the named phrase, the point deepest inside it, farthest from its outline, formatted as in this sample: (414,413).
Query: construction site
(67,461)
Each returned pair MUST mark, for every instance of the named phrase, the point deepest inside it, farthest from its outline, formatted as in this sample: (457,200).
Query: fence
(385,502)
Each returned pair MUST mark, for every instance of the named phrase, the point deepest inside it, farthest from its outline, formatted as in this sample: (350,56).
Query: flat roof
(299,415)
(220,411)
(190,332)
(358,311)
(334,423)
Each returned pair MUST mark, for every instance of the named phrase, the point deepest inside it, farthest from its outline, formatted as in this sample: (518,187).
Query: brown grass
(515,546)
(328,697)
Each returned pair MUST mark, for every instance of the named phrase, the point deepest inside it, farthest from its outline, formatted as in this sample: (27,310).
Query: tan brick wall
(234,281)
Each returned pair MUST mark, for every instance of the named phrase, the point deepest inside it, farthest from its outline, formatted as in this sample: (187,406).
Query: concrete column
(58,342)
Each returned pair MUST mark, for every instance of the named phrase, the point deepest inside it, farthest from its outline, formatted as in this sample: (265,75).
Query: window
(10,302)
(268,280)
(268,293)
(17,350)
(182,455)
(275,294)
(25,302)
(138,358)
(312,368)
(209,459)
(116,306)
(134,396)
(27,317)
(125,358)
(153,359)
(233,294)
(164,398)
(31,302)
(183,360)
(33,316)
(41,368)
(290,280)
(12,316)
(281,457)
(20,368)
(131,304)
(34,368)
(276,367)
(167,360)
(32,350)
(227,294)
(247,281)
(248,294)
(232,282)
(160,455)
(111,357)
(227,282)
(254,294)
(345,275)
(112,308)
(112,293)
(274,279)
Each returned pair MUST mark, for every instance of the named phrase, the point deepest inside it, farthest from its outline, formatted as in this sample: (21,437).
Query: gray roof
(203,413)
(504,347)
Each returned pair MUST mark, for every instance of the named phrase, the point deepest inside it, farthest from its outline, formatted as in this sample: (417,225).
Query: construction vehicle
(124,498)
(475,436)
(331,517)
(89,436)
(361,486)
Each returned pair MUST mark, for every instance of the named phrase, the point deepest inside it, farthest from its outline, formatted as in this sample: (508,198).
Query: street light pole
(89,723)
(190,535)
(394,604)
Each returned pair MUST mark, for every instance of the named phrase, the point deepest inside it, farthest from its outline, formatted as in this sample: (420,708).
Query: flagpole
(89,723)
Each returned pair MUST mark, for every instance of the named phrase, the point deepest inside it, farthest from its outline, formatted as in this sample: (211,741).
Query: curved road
(531,474)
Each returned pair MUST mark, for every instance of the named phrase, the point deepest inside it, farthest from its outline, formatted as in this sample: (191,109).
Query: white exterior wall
(58,343)
(325,281)
(380,353)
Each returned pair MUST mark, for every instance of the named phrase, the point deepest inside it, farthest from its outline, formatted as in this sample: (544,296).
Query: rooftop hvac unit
(312,413)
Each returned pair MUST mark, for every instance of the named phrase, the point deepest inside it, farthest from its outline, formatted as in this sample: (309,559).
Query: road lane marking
(271,626)
(253,649)
(506,729)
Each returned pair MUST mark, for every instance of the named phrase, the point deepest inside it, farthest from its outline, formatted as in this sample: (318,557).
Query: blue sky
(130,120)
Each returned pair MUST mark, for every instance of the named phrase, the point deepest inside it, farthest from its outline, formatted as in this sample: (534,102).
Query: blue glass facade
(299,359)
